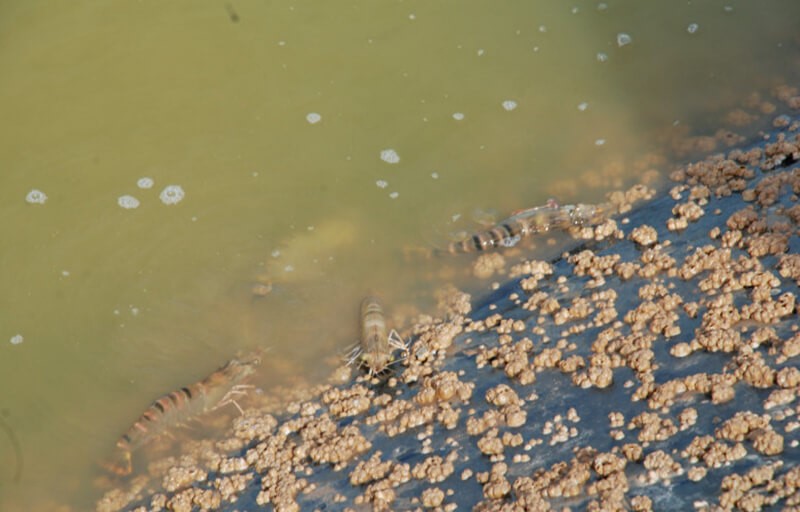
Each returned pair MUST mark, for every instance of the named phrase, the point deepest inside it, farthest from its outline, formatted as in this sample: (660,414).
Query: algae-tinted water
(272,117)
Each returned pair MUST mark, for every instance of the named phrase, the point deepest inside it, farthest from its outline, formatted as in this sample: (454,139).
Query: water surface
(273,118)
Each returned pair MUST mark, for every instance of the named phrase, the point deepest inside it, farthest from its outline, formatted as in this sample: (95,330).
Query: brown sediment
(660,352)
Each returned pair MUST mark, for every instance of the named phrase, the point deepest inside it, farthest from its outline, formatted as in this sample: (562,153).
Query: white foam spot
(692,28)
(509,105)
(458,116)
(172,194)
(623,39)
(602,6)
(288,268)
(602,57)
(145,182)
(390,156)
(128,202)
(65,273)
(412,16)
(16,339)
(382,183)
(599,142)
(276,253)
(435,175)
(542,29)
(480,52)
(394,195)
(313,118)
(36,196)
(583,106)
(281,43)
(574,10)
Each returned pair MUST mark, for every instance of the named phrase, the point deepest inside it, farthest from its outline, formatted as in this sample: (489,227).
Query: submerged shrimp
(217,390)
(377,342)
(530,221)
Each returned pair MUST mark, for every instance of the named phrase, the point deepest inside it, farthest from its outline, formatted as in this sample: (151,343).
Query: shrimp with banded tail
(174,409)
(377,343)
(531,221)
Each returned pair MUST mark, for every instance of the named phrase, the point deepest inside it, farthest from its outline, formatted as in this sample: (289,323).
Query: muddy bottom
(652,366)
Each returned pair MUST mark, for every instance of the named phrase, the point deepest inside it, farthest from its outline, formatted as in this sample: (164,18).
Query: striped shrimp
(530,221)
(377,343)
(176,408)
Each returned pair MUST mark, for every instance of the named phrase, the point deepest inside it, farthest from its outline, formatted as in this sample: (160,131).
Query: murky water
(313,142)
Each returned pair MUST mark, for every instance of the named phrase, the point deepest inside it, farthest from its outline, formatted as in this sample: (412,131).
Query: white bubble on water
(276,253)
(509,105)
(602,57)
(172,194)
(599,142)
(692,28)
(390,156)
(145,182)
(394,195)
(480,52)
(435,175)
(128,202)
(623,39)
(542,28)
(288,268)
(65,273)
(583,106)
(281,43)
(36,196)
(313,118)
(412,16)
(382,183)
(728,8)
(602,6)
(16,339)
(574,10)
(458,116)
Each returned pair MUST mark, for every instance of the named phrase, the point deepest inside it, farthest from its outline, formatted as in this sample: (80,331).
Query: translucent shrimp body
(377,342)
(528,222)
(179,406)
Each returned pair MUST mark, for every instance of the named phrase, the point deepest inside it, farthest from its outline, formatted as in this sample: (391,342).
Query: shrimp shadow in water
(15,444)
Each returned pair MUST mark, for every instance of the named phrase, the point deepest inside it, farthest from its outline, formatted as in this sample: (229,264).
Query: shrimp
(217,390)
(377,344)
(530,221)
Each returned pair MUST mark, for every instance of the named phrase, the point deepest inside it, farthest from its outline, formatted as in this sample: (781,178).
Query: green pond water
(158,158)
